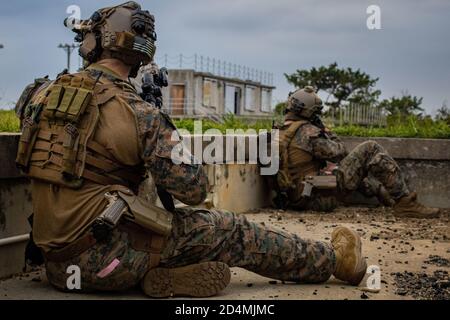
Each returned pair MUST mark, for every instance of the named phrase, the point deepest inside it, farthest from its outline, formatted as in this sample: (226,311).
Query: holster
(146,215)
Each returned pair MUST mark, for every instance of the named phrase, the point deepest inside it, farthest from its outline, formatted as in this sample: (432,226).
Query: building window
(232,99)
(250,98)
(266,100)
(210,93)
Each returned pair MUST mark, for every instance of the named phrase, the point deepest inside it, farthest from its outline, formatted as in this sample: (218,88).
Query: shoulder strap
(293,128)
(291,131)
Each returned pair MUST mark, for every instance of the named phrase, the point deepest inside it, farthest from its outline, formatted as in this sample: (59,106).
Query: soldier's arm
(323,146)
(186,182)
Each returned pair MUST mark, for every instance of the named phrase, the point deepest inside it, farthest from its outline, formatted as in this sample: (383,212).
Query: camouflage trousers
(367,168)
(199,236)
(369,162)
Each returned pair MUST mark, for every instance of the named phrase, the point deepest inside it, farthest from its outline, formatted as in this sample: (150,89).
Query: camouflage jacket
(321,145)
(158,136)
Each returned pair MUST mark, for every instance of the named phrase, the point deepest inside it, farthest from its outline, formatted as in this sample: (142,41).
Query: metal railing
(353,114)
(356,114)
(216,67)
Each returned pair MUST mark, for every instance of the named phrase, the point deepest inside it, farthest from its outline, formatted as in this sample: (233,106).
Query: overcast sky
(411,51)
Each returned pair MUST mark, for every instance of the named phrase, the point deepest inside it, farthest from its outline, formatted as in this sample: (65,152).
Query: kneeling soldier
(306,180)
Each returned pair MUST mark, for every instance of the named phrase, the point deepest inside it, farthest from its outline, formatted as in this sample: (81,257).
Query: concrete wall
(235,187)
(15,207)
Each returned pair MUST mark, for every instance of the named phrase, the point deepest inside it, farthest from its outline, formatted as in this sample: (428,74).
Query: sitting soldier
(88,141)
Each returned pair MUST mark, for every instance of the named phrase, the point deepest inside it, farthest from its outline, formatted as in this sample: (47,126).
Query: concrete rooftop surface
(413,256)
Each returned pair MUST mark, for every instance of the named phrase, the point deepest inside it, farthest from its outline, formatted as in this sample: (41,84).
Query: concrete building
(193,93)
(201,86)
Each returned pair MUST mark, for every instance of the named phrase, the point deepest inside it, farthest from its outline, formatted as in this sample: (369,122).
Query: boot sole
(414,215)
(198,280)
(356,279)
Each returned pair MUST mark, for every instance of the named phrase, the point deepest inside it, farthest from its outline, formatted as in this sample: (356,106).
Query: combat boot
(197,280)
(350,264)
(408,207)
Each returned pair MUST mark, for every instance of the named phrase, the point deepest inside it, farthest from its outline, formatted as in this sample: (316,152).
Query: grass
(8,121)
(411,127)
(229,122)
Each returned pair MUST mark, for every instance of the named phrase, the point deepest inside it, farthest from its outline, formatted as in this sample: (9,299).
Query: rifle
(317,121)
(152,83)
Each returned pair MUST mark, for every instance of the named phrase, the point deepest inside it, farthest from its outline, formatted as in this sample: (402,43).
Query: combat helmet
(125,32)
(304,103)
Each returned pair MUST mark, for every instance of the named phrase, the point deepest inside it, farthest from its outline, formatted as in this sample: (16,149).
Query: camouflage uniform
(198,235)
(370,160)
(367,162)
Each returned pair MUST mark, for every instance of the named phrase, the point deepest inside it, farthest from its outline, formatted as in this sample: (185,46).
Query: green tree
(404,106)
(342,85)
(280,107)
(443,113)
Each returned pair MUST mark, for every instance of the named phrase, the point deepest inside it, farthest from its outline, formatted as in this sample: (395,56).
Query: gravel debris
(437,261)
(423,286)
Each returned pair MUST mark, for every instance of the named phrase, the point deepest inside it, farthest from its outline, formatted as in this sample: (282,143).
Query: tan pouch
(322,182)
(147,215)
(30,131)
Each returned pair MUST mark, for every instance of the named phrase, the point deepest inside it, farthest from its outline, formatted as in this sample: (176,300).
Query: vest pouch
(54,99)
(80,101)
(147,215)
(65,103)
(30,131)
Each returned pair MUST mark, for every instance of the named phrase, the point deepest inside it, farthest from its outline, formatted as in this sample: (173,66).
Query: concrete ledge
(8,151)
(398,148)
(408,148)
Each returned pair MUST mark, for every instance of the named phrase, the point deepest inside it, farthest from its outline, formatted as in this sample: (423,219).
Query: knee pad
(382,165)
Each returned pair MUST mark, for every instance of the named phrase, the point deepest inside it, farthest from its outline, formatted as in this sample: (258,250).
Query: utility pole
(68,48)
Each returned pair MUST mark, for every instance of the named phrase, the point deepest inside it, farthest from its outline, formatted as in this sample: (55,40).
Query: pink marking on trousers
(112,266)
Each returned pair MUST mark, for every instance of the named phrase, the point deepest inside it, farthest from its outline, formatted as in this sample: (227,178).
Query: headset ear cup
(88,46)
(91,48)
(134,71)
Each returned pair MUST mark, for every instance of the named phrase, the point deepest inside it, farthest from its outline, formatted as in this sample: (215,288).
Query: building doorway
(177,99)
